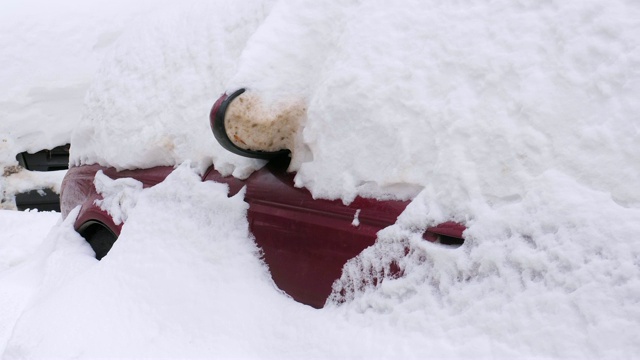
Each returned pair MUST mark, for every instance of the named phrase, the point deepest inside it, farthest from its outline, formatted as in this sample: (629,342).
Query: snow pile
(193,288)
(118,196)
(161,285)
(476,101)
(479,100)
(50,52)
(517,119)
(22,234)
(21,283)
(556,274)
(150,101)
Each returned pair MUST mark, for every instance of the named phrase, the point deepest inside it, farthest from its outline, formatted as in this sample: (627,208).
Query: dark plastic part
(218,112)
(44,160)
(43,200)
(99,237)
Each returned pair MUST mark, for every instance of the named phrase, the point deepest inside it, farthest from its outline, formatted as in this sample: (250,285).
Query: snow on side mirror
(242,125)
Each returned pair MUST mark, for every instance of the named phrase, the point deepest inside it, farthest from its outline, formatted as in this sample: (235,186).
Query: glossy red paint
(305,241)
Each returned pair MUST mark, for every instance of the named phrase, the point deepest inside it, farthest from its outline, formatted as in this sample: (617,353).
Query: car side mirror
(218,126)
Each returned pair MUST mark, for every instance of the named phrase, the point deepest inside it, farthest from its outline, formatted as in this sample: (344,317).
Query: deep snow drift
(149,102)
(518,119)
(50,52)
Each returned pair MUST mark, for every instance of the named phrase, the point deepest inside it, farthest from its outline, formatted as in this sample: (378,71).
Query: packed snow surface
(517,119)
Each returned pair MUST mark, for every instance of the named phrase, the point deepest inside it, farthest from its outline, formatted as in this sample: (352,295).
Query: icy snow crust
(518,119)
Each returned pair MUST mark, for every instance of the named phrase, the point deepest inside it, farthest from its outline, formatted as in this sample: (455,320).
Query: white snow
(153,93)
(518,119)
(50,52)
(119,196)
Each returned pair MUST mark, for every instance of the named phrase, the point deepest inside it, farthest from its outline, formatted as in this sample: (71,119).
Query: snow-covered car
(45,199)
(305,241)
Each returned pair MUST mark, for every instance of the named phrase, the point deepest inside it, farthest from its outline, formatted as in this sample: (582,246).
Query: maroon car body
(304,241)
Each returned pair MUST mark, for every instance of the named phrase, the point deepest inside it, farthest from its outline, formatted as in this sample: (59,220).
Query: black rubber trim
(99,237)
(218,113)
(90,223)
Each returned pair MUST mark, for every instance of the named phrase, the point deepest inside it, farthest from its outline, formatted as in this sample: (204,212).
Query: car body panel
(307,241)
(304,241)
